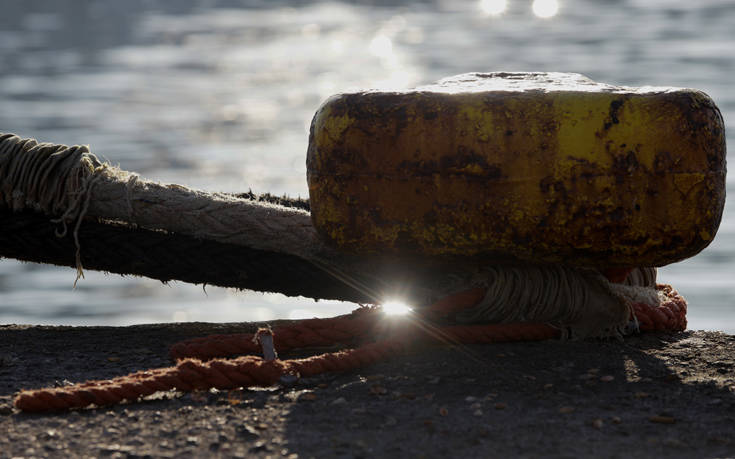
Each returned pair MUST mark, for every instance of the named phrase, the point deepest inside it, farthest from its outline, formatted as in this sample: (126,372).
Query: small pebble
(500,406)
(339,401)
(307,396)
(7,360)
(245,430)
(259,446)
(616,420)
(443,411)
(607,378)
(477,413)
(377,389)
(597,423)
(289,379)
(566,409)
(662,419)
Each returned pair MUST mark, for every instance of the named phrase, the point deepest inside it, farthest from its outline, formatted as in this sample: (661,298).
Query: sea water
(219,95)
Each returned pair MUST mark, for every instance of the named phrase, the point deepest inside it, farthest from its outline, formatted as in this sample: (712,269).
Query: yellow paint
(332,127)
(686,182)
(594,178)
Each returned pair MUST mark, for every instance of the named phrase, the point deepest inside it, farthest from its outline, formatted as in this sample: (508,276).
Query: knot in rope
(54,179)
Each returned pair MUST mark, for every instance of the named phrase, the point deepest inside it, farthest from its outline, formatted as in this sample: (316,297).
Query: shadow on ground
(651,395)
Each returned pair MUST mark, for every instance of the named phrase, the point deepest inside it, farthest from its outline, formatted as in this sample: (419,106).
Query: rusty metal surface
(540,167)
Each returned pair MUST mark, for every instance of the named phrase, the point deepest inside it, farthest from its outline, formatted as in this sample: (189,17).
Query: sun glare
(545,8)
(396,308)
(493,7)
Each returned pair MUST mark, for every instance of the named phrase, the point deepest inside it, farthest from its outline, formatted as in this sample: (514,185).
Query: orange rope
(671,315)
(310,332)
(192,374)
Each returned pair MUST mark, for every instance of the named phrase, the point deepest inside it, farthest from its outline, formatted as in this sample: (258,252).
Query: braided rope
(193,374)
(670,316)
(58,180)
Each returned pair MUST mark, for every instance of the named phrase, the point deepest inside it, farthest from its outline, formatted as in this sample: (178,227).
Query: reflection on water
(545,8)
(541,8)
(493,7)
(218,94)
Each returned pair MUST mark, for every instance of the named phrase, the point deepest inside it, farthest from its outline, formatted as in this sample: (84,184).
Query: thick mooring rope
(580,299)
(193,374)
(70,182)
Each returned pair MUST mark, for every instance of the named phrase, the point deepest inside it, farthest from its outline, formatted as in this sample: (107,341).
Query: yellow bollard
(542,167)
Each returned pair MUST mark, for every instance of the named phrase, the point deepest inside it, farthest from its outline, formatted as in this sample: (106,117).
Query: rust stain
(579,176)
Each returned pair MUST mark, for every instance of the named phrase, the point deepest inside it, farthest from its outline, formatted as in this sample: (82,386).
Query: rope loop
(54,179)
(191,373)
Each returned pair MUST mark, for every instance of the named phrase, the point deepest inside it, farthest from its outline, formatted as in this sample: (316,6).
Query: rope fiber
(54,179)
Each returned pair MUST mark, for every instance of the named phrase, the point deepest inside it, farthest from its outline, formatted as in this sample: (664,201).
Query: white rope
(580,300)
(54,179)
(68,183)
